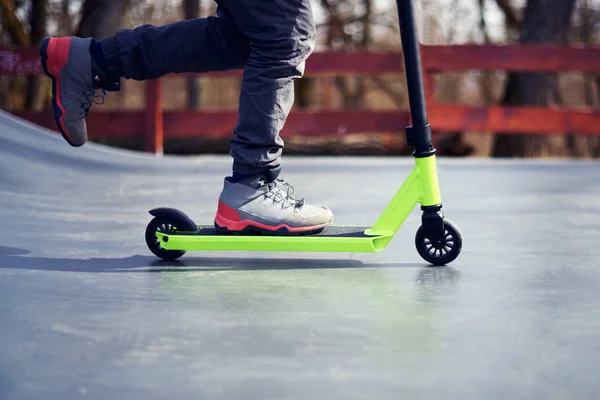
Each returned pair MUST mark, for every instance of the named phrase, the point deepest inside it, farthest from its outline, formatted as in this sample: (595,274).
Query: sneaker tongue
(283,189)
(256,180)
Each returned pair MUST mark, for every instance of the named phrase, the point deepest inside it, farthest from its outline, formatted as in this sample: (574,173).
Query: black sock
(235,177)
(241,171)
(100,72)
(267,175)
(98,56)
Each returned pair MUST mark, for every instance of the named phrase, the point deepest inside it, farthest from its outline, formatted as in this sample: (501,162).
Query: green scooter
(171,233)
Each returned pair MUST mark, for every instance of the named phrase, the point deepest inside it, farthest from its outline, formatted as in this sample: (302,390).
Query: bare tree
(37,21)
(24,34)
(545,21)
(64,16)
(511,14)
(191,10)
(12,23)
(15,30)
(587,32)
(349,27)
(101,18)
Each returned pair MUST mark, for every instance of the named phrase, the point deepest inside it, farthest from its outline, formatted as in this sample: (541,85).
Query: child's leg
(282,36)
(79,66)
(197,45)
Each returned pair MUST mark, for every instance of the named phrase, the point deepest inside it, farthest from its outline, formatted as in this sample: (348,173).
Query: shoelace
(290,192)
(90,94)
(278,195)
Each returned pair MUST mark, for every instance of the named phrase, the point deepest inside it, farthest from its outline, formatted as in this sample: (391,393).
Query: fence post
(154,117)
(327,82)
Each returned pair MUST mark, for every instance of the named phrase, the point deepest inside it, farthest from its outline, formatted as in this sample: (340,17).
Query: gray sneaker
(67,61)
(254,206)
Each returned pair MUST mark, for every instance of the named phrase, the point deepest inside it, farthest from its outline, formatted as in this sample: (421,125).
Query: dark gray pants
(269,39)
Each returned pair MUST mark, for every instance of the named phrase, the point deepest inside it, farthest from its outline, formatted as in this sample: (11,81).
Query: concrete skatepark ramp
(86,311)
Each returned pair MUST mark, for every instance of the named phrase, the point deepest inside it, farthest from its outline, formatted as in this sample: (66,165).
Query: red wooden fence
(154,123)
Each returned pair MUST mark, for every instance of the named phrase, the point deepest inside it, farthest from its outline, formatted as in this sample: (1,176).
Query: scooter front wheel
(440,252)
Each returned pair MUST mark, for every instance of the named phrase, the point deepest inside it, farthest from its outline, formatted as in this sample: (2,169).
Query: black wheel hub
(438,247)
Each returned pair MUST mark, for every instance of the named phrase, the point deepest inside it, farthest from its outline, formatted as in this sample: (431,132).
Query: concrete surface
(86,311)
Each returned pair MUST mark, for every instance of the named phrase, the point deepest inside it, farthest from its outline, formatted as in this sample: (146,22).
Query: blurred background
(360,110)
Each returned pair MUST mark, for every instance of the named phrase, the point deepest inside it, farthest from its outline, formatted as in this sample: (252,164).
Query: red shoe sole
(228,220)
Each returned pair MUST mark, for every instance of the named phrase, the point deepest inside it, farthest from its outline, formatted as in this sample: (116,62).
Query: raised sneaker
(76,78)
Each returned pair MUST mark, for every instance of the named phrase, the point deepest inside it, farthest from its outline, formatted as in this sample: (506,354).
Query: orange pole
(154,117)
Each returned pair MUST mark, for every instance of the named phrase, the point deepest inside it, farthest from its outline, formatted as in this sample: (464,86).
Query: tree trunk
(37,20)
(545,21)
(302,91)
(191,10)
(358,98)
(585,32)
(339,38)
(101,18)
(65,18)
(18,36)
(513,20)
(14,27)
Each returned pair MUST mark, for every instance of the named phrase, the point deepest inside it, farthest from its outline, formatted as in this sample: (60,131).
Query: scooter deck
(330,231)
(336,238)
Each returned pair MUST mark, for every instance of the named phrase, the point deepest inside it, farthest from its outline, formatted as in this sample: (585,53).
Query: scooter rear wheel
(440,252)
(162,224)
